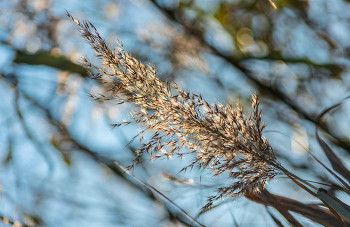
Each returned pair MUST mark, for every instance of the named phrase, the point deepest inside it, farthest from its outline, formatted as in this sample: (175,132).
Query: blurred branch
(264,88)
(45,58)
(336,69)
(303,14)
(30,135)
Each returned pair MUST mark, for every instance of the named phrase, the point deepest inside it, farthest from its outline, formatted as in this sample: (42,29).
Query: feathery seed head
(222,137)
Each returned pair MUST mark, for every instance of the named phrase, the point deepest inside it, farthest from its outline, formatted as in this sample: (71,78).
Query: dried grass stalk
(221,136)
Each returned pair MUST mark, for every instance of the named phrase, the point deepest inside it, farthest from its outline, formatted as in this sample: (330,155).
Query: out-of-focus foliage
(58,150)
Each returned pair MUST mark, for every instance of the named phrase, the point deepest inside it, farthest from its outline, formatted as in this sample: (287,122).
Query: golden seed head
(222,137)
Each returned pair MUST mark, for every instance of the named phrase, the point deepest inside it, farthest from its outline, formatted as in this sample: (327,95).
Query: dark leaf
(335,161)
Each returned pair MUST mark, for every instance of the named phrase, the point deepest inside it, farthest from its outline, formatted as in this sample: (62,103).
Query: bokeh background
(58,148)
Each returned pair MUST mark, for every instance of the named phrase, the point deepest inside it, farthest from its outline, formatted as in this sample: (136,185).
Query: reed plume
(222,138)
